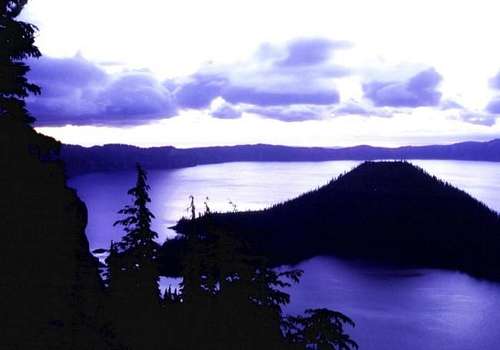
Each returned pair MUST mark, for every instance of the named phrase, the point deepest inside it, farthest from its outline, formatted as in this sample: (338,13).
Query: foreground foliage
(228,298)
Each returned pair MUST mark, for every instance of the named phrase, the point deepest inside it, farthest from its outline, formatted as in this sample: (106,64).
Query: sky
(299,72)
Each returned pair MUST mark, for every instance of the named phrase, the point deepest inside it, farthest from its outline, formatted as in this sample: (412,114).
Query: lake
(392,308)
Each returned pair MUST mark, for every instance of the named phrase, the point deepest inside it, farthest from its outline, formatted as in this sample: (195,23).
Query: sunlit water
(393,309)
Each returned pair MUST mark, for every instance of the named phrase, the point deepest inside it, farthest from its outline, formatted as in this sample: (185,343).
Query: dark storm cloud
(418,91)
(76,91)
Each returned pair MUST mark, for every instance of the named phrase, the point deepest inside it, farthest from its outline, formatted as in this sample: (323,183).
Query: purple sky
(317,89)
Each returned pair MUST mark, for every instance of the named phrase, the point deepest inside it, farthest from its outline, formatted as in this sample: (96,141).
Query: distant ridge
(115,157)
(390,212)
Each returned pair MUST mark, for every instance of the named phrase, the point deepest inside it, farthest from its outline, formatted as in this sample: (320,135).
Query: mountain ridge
(116,157)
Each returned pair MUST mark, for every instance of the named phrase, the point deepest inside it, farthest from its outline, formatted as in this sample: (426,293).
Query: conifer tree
(132,277)
(191,286)
(137,252)
(18,140)
(17,40)
(113,270)
(239,298)
(231,298)
(320,329)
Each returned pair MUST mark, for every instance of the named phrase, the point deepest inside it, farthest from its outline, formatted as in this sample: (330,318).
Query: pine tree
(132,277)
(18,140)
(191,285)
(137,252)
(113,271)
(17,40)
(231,298)
(321,329)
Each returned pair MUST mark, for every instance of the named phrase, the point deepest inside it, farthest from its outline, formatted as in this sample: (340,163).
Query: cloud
(135,95)
(76,91)
(350,109)
(477,118)
(459,112)
(294,113)
(494,106)
(495,82)
(450,104)
(258,97)
(200,90)
(222,110)
(356,108)
(300,72)
(60,77)
(79,92)
(310,52)
(294,81)
(418,91)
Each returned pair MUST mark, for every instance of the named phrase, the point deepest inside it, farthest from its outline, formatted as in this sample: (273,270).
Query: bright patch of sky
(313,73)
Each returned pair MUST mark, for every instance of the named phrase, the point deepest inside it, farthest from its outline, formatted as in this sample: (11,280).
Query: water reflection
(403,309)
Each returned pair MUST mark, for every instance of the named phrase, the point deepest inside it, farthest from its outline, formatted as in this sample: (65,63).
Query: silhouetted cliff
(382,211)
(51,292)
(81,160)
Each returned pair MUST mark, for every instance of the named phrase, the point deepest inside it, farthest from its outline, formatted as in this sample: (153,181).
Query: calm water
(393,309)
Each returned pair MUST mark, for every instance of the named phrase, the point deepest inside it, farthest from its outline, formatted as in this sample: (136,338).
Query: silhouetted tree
(17,40)
(137,250)
(321,329)
(113,272)
(132,276)
(247,284)
(171,296)
(231,299)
